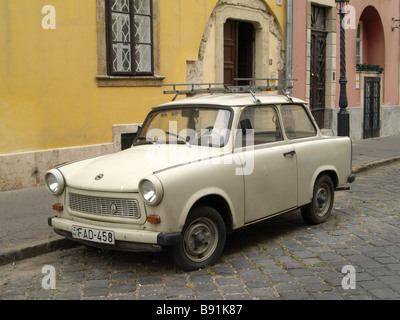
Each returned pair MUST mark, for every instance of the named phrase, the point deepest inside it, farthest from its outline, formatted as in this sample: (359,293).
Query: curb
(36,248)
(376,164)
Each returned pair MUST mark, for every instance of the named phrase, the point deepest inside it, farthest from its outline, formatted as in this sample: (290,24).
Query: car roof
(232,100)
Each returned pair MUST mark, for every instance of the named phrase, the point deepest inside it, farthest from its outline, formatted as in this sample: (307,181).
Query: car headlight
(54,181)
(151,190)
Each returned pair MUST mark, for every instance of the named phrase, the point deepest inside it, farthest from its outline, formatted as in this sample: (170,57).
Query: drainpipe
(289,43)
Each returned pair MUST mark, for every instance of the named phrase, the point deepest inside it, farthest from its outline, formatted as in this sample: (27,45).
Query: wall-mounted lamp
(395,23)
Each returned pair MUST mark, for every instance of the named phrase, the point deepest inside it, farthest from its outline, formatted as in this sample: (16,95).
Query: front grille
(126,208)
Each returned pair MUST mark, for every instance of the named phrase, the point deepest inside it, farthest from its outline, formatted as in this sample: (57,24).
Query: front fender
(201,194)
(186,185)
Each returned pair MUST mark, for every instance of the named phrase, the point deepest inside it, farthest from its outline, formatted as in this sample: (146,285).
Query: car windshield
(198,126)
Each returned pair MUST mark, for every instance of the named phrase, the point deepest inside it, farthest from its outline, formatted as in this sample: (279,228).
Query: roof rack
(210,88)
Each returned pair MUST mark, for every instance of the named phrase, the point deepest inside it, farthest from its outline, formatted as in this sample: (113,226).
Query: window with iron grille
(129,37)
(318,18)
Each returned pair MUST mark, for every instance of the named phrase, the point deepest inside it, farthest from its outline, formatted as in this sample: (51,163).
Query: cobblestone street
(282,258)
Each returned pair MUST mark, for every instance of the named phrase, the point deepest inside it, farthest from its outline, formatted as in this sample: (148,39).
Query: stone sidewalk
(24,213)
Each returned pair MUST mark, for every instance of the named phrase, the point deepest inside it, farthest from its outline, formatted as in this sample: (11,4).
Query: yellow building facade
(61,99)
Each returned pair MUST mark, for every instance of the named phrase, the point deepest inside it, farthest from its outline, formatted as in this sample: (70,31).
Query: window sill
(118,81)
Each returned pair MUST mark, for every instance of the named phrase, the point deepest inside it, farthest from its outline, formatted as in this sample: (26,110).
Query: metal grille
(127,208)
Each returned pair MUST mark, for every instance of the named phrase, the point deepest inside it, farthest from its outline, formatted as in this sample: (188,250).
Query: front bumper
(125,239)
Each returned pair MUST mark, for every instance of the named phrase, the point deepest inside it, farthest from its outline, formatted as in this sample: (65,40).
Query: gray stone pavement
(371,153)
(280,259)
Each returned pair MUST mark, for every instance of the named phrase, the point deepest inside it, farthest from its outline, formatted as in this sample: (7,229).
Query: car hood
(122,171)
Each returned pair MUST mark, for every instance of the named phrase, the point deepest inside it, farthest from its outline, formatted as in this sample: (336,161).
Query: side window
(297,123)
(258,125)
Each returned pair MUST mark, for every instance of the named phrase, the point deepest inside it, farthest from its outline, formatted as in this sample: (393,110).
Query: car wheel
(321,206)
(203,239)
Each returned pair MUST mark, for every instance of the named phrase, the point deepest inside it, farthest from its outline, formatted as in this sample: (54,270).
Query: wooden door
(317,76)
(230,52)
(238,51)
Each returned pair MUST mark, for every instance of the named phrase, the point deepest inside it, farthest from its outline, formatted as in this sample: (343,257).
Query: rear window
(297,122)
(262,123)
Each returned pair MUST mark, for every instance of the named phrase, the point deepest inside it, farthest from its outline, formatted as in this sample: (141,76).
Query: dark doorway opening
(372,107)
(318,64)
(317,76)
(239,37)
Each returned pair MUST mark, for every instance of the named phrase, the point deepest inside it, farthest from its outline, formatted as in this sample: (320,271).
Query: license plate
(95,235)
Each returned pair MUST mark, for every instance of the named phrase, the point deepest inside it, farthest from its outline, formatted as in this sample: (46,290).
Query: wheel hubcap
(200,239)
(323,200)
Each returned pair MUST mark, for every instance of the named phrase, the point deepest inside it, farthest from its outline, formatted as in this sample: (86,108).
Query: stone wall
(27,169)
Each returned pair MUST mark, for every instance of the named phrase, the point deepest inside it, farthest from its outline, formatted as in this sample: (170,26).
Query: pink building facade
(372,63)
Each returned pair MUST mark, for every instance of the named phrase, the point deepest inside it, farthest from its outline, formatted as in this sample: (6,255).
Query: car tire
(320,208)
(203,239)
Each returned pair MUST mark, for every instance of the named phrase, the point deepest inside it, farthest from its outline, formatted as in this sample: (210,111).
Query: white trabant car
(200,168)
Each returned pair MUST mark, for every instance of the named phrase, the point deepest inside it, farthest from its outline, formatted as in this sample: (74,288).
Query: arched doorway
(370,63)
(373,40)
(260,41)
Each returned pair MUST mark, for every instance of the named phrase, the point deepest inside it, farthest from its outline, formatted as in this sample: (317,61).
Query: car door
(311,152)
(269,164)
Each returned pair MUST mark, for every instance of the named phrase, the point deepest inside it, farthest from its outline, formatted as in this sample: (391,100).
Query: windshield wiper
(145,141)
(180,137)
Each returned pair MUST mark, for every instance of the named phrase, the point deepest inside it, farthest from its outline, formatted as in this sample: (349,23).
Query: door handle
(290,153)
